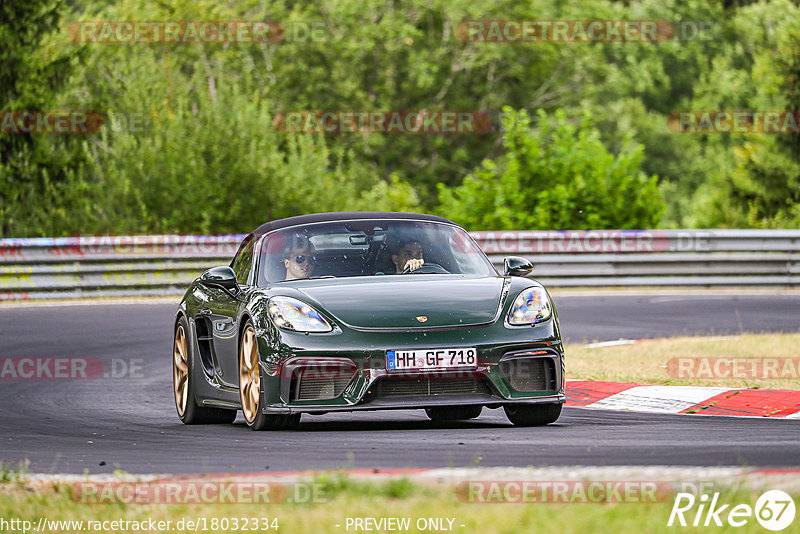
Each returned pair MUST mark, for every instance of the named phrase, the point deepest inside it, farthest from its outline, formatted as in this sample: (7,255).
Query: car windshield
(369,248)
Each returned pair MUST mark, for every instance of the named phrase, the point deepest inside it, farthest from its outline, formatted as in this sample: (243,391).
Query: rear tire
(183,384)
(532,414)
(453,413)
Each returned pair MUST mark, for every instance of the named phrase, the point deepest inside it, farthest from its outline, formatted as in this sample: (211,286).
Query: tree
(33,167)
(556,176)
(766,184)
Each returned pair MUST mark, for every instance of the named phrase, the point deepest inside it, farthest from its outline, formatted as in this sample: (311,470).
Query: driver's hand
(414,264)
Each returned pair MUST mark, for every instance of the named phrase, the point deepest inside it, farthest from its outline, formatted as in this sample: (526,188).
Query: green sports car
(337,312)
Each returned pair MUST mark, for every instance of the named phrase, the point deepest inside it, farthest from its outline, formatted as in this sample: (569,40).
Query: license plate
(432,358)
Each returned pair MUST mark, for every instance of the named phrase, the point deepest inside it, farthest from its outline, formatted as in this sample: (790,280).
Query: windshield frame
(260,279)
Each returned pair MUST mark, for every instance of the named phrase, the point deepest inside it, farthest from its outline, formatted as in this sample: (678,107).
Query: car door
(224,309)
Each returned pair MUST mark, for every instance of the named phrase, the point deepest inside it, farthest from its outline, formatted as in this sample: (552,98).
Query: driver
(408,255)
(299,261)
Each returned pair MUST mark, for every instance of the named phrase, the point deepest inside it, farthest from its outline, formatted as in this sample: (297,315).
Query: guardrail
(654,257)
(88,266)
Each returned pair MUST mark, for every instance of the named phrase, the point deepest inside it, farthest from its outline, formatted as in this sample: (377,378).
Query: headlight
(293,314)
(530,307)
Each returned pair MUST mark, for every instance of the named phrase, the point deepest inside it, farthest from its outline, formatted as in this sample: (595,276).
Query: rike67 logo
(774,510)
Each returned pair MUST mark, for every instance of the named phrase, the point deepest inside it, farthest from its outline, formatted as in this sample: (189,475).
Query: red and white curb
(773,403)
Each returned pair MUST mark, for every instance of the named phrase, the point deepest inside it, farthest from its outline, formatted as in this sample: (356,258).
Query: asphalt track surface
(69,426)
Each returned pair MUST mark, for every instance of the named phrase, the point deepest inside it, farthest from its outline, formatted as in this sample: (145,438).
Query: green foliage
(36,171)
(208,158)
(382,55)
(394,195)
(744,180)
(556,176)
(766,183)
(181,176)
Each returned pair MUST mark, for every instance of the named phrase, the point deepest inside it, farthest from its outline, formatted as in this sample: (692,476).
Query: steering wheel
(427,268)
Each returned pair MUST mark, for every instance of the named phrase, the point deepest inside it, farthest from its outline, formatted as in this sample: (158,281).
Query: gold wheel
(180,370)
(249,376)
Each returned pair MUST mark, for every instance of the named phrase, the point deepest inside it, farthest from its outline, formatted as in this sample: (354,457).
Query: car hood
(408,301)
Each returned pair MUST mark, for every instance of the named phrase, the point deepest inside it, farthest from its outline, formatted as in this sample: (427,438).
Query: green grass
(335,484)
(646,362)
(347,497)
(11,474)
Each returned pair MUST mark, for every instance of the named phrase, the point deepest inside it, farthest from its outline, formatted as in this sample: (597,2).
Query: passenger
(408,255)
(299,261)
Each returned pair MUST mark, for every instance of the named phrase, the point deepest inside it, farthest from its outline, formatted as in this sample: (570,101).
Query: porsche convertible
(338,312)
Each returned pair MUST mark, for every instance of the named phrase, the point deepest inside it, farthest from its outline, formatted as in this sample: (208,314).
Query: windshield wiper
(319,277)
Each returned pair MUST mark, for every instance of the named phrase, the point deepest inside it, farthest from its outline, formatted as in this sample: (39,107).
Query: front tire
(251,387)
(532,414)
(183,384)
(453,413)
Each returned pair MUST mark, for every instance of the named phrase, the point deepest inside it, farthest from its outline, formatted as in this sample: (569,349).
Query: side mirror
(223,277)
(516,266)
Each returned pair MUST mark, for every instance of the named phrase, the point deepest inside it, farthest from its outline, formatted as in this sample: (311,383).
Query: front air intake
(530,374)
(422,387)
(316,379)
(319,388)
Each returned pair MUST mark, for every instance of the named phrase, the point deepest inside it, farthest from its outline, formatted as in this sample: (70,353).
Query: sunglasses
(300,259)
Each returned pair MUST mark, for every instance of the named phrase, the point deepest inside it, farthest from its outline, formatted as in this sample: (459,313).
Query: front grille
(530,374)
(408,387)
(320,388)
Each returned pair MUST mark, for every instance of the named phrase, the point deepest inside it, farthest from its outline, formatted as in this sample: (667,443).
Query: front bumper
(532,373)
(412,404)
